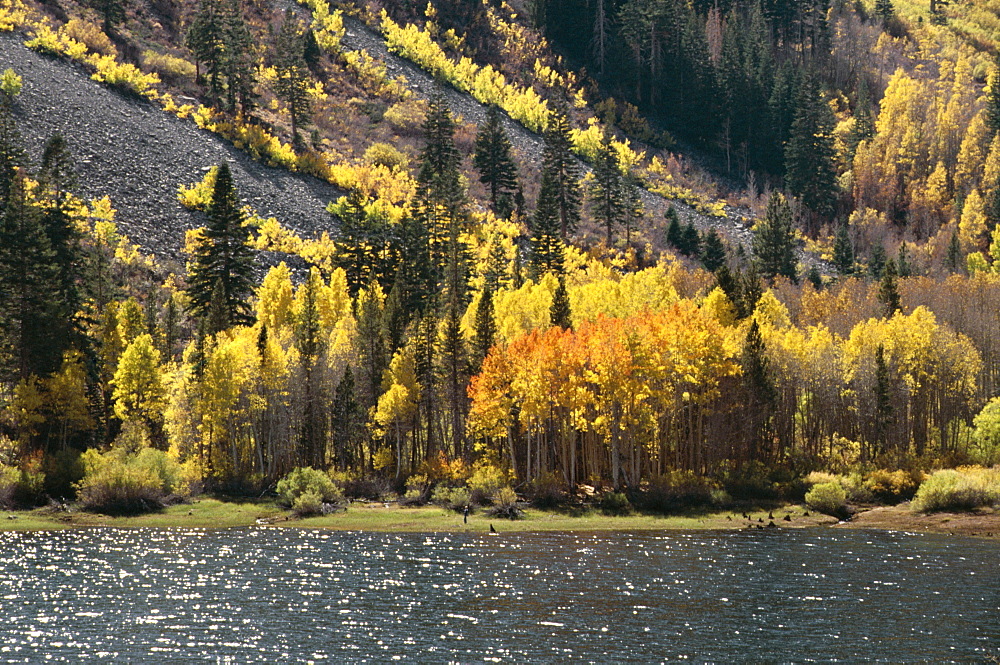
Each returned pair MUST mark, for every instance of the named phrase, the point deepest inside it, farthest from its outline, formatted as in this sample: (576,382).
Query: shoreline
(214,513)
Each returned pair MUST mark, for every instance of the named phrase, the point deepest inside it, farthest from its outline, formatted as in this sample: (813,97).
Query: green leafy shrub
(965,488)
(308,503)
(893,487)
(829,498)
(119,482)
(985,439)
(485,481)
(506,505)
(615,503)
(386,155)
(10,83)
(307,479)
(547,490)
(677,490)
(63,470)
(452,498)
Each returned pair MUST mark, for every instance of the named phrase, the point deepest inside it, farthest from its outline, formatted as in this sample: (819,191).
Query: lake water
(285,595)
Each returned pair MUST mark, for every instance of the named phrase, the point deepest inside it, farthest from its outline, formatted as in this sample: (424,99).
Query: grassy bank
(207,513)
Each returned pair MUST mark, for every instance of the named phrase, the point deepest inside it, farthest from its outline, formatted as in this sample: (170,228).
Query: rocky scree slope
(138,154)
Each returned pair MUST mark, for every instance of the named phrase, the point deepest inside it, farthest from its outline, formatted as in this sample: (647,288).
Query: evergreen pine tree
(311,51)
(751,288)
(760,393)
(876,261)
(12,154)
(632,208)
(883,400)
(815,278)
(453,358)
(237,58)
(112,13)
(30,315)
(884,10)
(224,258)
(888,290)
(774,241)
(346,421)
(560,313)
(207,43)
(352,244)
(993,98)
(674,235)
(809,155)
(493,160)
(309,343)
(843,250)
(56,177)
(713,253)
(415,276)
(606,200)
(394,320)
(903,266)
(486,328)
(293,75)
(954,257)
(690,240)
(372,358)
(558,160)
(546,244)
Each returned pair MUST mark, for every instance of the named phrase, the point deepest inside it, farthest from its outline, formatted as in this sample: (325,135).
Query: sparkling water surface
(286,595)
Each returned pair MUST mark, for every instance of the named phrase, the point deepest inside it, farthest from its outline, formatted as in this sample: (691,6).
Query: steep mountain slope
(137,154)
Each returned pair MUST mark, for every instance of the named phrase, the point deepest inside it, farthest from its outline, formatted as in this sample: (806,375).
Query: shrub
(893,487)
(384,154)
(829,498)
(90,34)
(407,116)
(417,490)
(966,488)
(307,479)
(168,65)
(199,195)
(615,503)
(505,505)
(486,480)
(676,490)
(308,503)
(985,439)
(370,489)
(10,83)
(125,77)
(749,482)
(547,490)
(121,482)
(452,498)
(10,477)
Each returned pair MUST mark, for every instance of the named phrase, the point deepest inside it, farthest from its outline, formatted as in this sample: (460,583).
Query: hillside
(132,151)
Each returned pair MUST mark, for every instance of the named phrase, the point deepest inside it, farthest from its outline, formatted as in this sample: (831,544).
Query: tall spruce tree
(30,314)
(774,240)
(760,394)
(293,75)
(993,97)
(888,289)
(546,243)
(560,312)
(485,328)
(843,250)
(224,260)
(347,423)
(607,202)
(493,160)
(560,163)
(12,153)
(205,38)
(713,253)
(810,171)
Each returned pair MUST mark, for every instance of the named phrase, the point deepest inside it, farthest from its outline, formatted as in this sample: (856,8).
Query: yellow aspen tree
(139,393)
(972,227)
(972,155)
(274,298)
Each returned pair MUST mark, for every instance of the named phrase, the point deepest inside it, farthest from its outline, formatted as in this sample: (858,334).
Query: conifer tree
(690,240)
(560,313)
(346,420)
(954,258)
(493,160)
(632,207)
(394,320)
(486,328)
(223,259)
(205,39)
(352,244)
(884,10)
(876,261)
(758,386)
(774,241)
(293,75)
(558,160)
(843,250)
(238,58)
(372,358)
(888,290)
(12,154)
(713,253)
(903,266)
(883,399)
(606,199)
(57,178)
(546,244)
(112,13)
(674,234)
(809,155)
(416,276)
(309,343)
(993,98)
(30,316)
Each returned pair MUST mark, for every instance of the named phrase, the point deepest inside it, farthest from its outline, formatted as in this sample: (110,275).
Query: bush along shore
(150,490)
